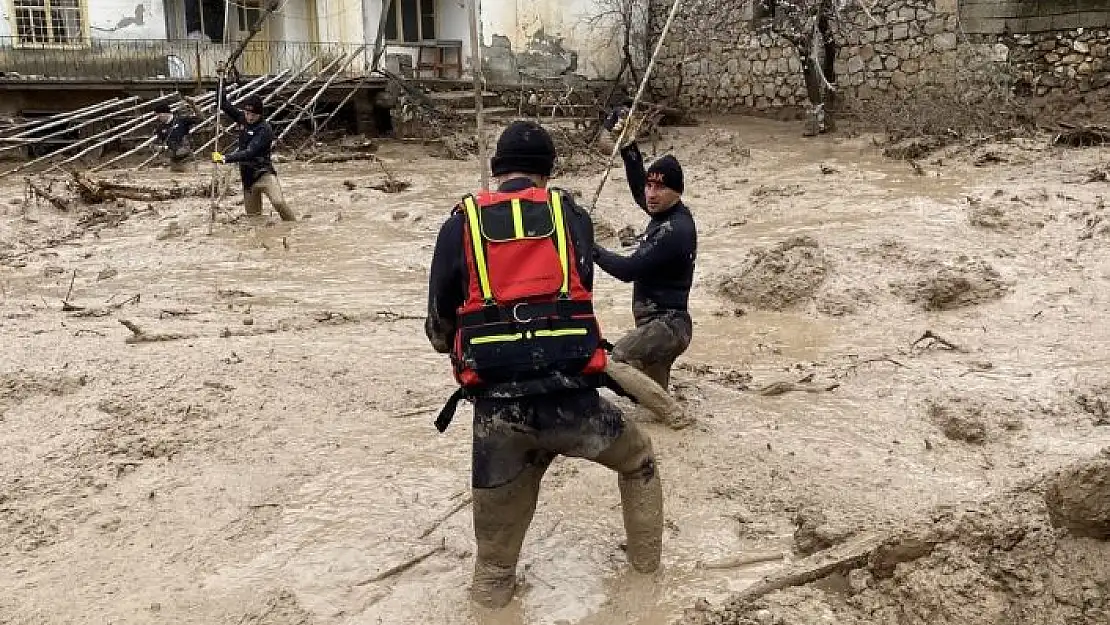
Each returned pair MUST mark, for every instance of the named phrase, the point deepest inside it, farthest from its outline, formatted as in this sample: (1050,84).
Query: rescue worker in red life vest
(510,298)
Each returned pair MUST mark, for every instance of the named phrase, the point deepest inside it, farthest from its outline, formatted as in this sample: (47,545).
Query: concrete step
(463,99)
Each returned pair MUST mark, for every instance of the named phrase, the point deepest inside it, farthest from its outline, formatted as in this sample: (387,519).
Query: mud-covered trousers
(515,441)
(655,344)
(269,186)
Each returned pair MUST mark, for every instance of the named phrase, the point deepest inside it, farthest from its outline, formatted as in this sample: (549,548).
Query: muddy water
(297,471)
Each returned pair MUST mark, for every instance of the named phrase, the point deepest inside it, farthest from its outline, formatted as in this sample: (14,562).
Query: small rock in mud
(789,190)
(813,533)
(1015,215)
(1095,401)
(966,282)
(172,230)
(958,420)
(1078,498)
(780,277)
(914,149)
(107,274)
(399,215)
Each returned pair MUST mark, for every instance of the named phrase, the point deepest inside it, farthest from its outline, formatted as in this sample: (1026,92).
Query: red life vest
(526,315)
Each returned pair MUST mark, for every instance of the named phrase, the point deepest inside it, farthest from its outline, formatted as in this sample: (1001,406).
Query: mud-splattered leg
(501,519)
(631,456)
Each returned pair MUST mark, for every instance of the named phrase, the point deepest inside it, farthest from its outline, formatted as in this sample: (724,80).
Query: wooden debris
(930,335)
(843,558)
(139,336)
(404,566)
(37,191)
(736,562)
(441,520)
(1082,137)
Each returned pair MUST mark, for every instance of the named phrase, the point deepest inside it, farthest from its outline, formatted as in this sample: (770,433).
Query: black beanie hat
(524,147)
(666,171)
(253,104)
(162,107)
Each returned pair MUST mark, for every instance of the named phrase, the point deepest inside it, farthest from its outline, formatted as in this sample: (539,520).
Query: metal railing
(165,60)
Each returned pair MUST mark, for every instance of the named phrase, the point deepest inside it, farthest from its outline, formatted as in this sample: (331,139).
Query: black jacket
(661,269)
(254,150)
(448,281)
(174,135)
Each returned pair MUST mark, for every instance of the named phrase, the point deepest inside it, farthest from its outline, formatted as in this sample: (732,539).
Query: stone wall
(996,17)
(724,56)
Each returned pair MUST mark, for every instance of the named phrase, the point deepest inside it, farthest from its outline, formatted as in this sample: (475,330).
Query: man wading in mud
(256,168)
(661,269)
(510,298)
(173,134)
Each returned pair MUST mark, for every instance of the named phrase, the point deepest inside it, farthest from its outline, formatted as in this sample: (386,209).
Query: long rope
(479,89)
(636,101)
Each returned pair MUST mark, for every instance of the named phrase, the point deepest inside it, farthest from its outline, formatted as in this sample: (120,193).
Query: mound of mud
(17,387)
(1000,563)
(966,282)
(845,302)
(970,420)
(780,277)
(1078,498)
(1017,214)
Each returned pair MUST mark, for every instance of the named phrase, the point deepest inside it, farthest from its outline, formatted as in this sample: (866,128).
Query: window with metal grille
(49,22)
(410,21)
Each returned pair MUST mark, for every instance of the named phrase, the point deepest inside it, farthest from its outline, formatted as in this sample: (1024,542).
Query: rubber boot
(501,519)
(642,504)
(641,496)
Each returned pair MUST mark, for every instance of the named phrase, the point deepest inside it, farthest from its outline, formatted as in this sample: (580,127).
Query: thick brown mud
(270,463)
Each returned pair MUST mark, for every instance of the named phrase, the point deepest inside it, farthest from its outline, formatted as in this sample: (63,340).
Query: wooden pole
(319,93)
(476,69)
(635,101)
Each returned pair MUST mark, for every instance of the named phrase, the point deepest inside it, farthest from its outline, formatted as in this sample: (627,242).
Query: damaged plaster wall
(127,19)
(546,39)
(110,19)
(543,38)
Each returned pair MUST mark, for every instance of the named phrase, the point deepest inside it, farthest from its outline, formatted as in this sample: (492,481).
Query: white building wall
(126,19)
(109,19)
(520,21)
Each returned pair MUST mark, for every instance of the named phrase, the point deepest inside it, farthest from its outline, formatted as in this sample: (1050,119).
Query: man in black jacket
(520,427)
(256,168)
(661,269)
(173,133)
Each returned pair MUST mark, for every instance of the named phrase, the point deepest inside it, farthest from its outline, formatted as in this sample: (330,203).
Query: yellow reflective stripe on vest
(518,219)
(476,241)
(561,240)
(565,332)
(496,338)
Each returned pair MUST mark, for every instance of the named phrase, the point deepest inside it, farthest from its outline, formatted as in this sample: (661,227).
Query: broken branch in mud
(736,562)
(937,340)
(94,191)
(443,519)
(139,336)
(169,312)
(414,412)
(82,311)
(805,385)
(406,565)
(849,556)
(36,191)
(1082,137)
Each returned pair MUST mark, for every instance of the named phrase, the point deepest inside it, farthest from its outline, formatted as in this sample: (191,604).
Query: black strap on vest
(524,312)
